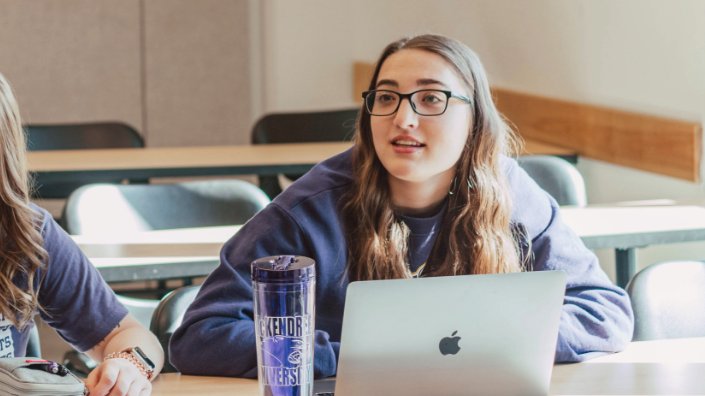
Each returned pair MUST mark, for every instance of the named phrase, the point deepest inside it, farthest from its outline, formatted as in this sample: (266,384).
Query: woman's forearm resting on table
(119,375)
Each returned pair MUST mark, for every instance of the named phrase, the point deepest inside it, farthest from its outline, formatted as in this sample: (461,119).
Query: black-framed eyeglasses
(426,102)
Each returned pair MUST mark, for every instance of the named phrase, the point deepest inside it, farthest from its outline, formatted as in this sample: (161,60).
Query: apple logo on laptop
(449,345)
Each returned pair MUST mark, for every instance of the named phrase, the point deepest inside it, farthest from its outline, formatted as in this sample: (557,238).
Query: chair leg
(162,288)
(34,348)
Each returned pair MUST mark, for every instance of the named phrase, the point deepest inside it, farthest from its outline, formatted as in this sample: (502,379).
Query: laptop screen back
(470,334)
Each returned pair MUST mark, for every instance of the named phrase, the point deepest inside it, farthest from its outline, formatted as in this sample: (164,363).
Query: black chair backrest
(557,176)
(111,208)
(668,299)
(168,316)
(97,135)
(81,136)
(301,127)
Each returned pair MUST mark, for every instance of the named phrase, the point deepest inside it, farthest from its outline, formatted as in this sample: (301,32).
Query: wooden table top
(168,253)
(196,241)
(625,226)
(600,226)
(664,367)
(196,157)
(183,157)
(163,254)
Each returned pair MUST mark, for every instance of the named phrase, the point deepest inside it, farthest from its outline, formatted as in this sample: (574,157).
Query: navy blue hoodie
(217,336)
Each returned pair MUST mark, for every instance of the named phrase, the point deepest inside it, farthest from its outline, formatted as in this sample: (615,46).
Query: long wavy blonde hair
(475,236)
(21,250)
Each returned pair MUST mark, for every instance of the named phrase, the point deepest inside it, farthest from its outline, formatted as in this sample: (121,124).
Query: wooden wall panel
(73,60)
(197,72)
(362,74)
(656,144)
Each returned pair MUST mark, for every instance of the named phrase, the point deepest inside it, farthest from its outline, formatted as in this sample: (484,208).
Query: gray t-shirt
(75,299)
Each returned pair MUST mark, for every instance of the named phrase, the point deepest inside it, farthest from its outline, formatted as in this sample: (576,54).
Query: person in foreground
(42,271)
(426,190)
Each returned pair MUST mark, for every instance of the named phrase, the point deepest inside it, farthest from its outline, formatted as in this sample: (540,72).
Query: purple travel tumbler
(284,304)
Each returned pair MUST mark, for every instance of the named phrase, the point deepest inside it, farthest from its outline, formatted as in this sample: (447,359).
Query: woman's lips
(405,145)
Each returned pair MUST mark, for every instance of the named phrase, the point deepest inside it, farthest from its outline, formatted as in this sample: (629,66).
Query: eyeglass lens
(423,102)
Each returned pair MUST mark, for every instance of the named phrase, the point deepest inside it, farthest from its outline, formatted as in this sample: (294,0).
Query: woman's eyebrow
(421,81)
(430,81)
(387,82)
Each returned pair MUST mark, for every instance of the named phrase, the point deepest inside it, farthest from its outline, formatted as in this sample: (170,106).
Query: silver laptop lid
(458,335)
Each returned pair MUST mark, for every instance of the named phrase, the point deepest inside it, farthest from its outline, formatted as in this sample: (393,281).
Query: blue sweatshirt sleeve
(75,299)
(217,335)
(597,316)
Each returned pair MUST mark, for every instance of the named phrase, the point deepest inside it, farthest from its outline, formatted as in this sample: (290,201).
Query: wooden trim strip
(656,144)
(362,74)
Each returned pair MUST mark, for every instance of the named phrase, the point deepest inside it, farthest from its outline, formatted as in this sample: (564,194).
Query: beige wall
(177,70)
(639,55)
(65,67)
(199,72)
(197,82)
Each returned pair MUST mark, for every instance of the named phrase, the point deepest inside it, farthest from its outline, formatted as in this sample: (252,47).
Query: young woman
(42,271)
(427,190)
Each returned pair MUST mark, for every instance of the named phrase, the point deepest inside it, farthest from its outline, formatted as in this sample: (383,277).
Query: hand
(118,377)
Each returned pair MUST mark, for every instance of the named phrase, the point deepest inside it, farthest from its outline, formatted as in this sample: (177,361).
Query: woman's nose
(405,116)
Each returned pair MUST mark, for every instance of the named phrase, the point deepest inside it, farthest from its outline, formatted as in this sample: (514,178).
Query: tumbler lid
(283,269)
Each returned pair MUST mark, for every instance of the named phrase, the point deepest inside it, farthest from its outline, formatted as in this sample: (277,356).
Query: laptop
(456,335)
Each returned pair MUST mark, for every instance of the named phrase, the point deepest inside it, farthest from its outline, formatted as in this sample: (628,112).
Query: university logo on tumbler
(284,304)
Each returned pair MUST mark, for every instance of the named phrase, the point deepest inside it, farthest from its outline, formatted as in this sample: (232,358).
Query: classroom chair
(300,127)
(557,176)
(668,299)
(34,345)
(124,208)
(97,135)
(110,209)
(115,209)
(168,316)
(141,308)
